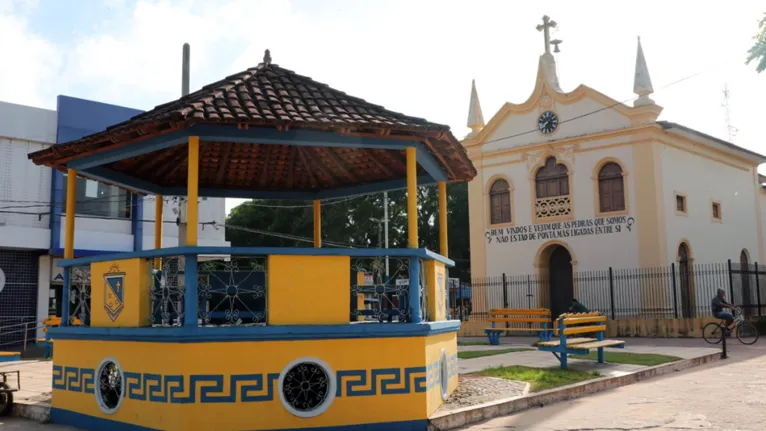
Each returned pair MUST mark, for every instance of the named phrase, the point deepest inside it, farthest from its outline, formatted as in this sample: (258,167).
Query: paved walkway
(36,380)
(683,348)
(724,395)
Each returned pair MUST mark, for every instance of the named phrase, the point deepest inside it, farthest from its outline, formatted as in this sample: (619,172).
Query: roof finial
(475,117)
(545,27)
(642,83)
(267,58)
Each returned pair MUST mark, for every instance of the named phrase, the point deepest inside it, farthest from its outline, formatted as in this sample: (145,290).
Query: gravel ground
(474,390)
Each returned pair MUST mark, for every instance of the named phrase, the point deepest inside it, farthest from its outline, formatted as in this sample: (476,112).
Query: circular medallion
(110,385)
(444,375)
(307,387)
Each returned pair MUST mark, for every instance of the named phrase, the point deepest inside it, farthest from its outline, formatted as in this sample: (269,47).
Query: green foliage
(481,353)
(539,379)
(348,223)
(646,359)
(757,52)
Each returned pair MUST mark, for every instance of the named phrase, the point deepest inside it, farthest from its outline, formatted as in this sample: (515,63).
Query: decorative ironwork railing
(79,295)
(233,291)
(167,292)
(553,206)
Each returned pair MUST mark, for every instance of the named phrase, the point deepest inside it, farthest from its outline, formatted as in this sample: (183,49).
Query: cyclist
(719,303)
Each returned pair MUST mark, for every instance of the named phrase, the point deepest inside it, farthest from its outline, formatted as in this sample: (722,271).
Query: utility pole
(385,229)
(182,226)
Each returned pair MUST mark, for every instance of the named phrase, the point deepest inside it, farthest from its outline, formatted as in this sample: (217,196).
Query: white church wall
(515,125)
(512,251)
(703,181)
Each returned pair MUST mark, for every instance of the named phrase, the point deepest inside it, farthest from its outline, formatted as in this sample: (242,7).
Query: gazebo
(147,355)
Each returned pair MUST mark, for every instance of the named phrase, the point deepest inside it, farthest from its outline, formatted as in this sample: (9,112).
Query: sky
(413,56)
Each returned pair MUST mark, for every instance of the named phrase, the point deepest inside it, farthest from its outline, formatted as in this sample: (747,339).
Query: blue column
(191,295)
(414,297)
(65,297)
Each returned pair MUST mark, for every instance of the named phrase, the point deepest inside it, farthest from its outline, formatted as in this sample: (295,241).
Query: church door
(744,272)
(562,281)
(685,279)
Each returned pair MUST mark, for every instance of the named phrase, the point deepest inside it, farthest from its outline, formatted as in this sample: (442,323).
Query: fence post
(731,283)
(675,289)
(26,334)
(611,292)
(505,292)
(529,291)
(757,289)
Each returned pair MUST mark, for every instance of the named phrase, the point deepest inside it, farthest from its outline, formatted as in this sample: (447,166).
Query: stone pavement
(12,424)
(36,379)
(723,395)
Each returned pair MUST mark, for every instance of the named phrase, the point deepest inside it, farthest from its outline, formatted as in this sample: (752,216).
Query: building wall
(593,250)
(24,187)
(704,181)
(18,296)
(520,129)
(210,209)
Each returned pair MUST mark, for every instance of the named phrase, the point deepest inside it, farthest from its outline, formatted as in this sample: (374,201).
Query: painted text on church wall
(559,230)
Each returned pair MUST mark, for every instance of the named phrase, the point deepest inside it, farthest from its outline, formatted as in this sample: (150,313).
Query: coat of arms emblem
(114,292)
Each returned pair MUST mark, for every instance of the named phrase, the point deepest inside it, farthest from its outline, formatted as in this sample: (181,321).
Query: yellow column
(158,229)
(192,193)
(317,224)
(412,198)
(443,219)
(71,196)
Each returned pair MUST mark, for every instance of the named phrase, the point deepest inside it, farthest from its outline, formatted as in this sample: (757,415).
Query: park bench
(537,320)
(47,342)
(579,325)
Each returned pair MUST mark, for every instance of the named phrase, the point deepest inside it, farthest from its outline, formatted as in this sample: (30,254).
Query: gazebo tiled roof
(268,99)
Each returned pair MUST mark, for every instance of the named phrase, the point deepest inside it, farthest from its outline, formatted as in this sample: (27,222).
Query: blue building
(109,219)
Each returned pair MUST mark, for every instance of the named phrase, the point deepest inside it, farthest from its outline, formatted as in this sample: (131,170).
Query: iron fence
(674,291)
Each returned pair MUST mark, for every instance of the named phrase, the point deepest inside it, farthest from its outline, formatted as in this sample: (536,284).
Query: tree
(757,52)
(350,223)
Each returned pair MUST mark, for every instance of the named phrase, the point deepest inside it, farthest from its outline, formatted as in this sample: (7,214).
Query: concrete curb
(37,412)
(457,418)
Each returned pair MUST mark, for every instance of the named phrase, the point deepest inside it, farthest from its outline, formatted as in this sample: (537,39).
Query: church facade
(577,181)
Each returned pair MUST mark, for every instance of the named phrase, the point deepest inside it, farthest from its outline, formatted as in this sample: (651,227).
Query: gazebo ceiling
(266,129)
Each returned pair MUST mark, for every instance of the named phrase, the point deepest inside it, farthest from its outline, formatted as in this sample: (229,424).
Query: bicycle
(746,332)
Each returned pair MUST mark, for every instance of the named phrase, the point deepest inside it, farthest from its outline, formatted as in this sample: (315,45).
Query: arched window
(611,190)
(552,179)
(500,202)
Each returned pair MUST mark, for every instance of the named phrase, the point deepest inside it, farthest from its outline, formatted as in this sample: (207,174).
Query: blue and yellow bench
(579,324)
(539,317)
(47,342)
(10,356)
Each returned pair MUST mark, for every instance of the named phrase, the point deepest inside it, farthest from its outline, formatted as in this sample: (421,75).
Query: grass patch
(473,343)
(482,353)
(646,359)
(539,379)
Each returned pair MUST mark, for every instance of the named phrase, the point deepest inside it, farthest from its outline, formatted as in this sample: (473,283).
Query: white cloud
(30,62)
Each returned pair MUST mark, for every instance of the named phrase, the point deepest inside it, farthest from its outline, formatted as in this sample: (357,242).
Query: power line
(593,112)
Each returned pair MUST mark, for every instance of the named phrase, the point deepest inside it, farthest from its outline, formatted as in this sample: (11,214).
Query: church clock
(548,122)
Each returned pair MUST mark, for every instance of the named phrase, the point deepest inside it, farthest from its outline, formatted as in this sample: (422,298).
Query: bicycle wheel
(747,333)
(712,333)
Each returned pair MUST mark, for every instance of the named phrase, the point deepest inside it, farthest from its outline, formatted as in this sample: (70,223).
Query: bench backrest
(520,315)
(581,323)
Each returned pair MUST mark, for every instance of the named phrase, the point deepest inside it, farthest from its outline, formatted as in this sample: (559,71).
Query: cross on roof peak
(545,27)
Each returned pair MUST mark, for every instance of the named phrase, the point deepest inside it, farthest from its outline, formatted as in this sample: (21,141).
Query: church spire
(547,62)
(475,117)
(642,83)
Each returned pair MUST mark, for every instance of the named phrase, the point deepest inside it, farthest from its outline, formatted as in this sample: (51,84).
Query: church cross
(545,28)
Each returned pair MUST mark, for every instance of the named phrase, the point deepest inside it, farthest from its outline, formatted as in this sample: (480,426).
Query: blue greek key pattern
(217,388)
(73,379)
(246,388)
(383,381)
(433,371)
